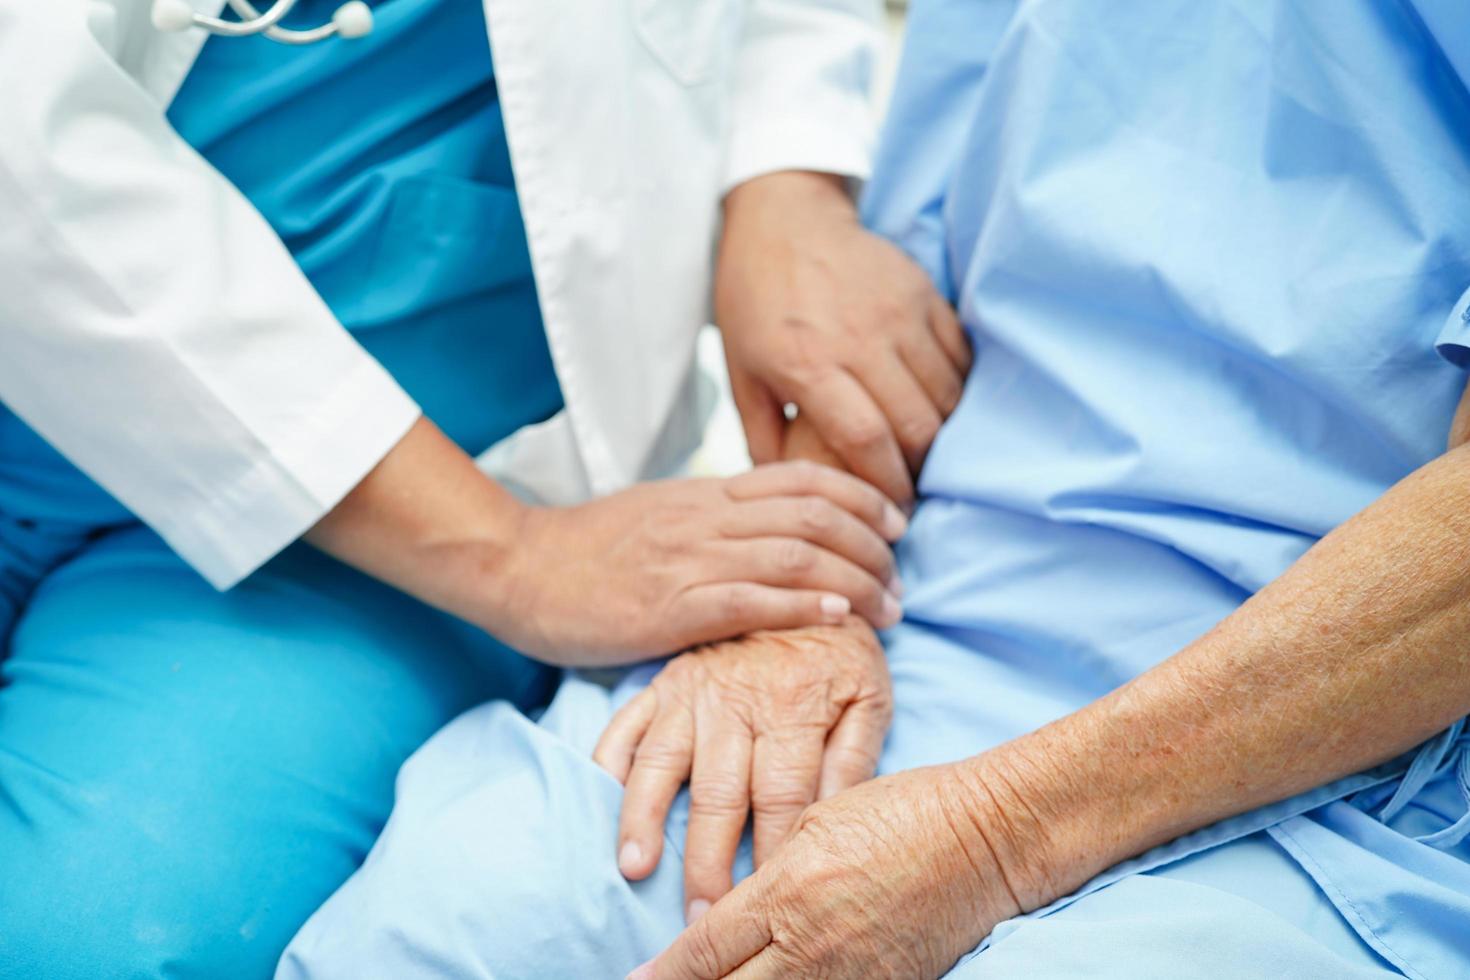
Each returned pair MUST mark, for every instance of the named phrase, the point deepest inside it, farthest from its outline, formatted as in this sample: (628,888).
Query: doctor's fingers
(951,334)
(795,564)
(661,764)
(939,357)
(804,479)
(911,414)
(762,415)
(719,610)
(857,430)
(719,800)
(818,521)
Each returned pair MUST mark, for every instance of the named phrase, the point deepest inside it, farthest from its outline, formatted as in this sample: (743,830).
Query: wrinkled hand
(664,566)
(819,312)
(898,877)
(767,723)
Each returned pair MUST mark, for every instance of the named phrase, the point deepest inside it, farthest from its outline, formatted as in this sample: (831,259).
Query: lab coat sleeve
(153,327)
(803,88)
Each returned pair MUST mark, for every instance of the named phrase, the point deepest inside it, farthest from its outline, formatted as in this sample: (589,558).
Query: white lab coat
(155,330)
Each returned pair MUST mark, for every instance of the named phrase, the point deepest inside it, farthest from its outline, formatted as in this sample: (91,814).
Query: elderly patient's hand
(767,723)
(896,878)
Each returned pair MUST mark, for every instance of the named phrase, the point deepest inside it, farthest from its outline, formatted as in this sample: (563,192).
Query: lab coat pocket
(688,36)
(443,239)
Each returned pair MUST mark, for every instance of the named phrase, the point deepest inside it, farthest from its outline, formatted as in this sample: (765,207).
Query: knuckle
(815,515)
(918,429)
(801,372)
(668,536)
(807,357)
(779,795)
(814,818)
(717,796)
(660,755)
(702,953)
(796,556)
(739,602)
(893,310)
(862,433)
(854,760)
(882,708)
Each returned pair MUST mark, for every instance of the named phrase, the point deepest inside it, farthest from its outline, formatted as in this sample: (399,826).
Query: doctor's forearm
(1354,655)
(426,521)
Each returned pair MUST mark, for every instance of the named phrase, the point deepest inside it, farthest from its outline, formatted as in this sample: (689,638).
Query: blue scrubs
(1212,256)
(186,775)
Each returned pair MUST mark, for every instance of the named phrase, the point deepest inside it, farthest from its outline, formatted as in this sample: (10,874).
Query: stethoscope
(353,19)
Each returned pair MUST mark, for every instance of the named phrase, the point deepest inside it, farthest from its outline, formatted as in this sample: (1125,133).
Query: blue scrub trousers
(186,775)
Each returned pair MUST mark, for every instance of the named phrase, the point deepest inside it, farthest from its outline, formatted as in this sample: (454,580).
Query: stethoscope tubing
(351,20)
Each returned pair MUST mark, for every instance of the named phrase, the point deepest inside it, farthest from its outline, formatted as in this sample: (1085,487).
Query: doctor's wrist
(788,199)
(427,521)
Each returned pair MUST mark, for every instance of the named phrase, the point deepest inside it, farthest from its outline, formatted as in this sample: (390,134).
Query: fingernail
(895,586)
(892,611)
(630,858)
(696,908)
(644,972)
(834,607)
(894,523)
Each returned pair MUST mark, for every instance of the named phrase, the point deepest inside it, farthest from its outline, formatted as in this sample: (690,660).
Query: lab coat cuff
(290,487)
(1453,343)
(839,142)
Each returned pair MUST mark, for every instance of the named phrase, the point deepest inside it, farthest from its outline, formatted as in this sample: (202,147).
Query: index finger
(660,766)
(615,749)
(716,945)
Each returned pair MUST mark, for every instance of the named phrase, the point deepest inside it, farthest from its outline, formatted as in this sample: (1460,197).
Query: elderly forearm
(1354,655)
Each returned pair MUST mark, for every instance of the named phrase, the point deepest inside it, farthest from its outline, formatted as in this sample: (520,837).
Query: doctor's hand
(667,565)
(639,574)
(818,312)
(762,725)
(898,877)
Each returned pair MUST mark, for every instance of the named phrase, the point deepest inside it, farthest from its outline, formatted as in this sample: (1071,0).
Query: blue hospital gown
(1212,255)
